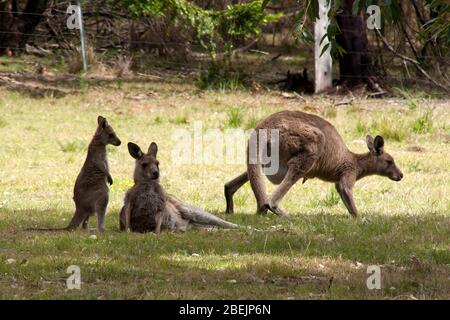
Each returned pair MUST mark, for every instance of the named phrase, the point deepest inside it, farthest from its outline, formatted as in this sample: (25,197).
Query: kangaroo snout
(117,142)
(397,177)
(396,174)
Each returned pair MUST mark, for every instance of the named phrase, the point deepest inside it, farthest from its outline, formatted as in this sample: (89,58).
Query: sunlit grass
(403,227)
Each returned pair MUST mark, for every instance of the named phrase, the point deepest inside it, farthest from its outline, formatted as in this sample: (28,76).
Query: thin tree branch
(414,62)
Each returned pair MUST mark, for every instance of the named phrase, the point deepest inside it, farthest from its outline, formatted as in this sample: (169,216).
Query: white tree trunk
(323,64)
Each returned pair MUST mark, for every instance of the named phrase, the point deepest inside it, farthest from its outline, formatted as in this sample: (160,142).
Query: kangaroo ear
(134,150)
(369,141)
(101,122)
(153,149)
(379,144)
(305,74)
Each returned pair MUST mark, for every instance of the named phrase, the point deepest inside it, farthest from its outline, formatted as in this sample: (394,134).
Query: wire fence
(53,34)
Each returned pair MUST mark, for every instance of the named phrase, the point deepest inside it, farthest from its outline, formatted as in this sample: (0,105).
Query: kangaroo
(91,194)
(148,208)
(310,147)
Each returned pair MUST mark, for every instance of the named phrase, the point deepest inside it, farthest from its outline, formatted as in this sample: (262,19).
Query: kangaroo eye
(389,162)
(144,165)
(111,135)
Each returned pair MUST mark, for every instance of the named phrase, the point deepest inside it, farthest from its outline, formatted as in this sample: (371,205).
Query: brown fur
(310,147)
(148,208)
(91,193)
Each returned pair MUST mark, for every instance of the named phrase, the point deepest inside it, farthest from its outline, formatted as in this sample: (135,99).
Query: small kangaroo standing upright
(148,208)
(91,194)
(310,147)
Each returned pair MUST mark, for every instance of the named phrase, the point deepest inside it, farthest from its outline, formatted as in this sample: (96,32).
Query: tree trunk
(355,66)
(16,28)
(323,61)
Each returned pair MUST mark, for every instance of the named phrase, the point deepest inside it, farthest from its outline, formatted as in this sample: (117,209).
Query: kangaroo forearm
(105,171)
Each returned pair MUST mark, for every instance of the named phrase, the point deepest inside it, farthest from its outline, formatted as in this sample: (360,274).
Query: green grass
(235,117)
(179,119)
(412,100)
(397,128)
(423,123)
(252,122)
(330,111)
(72,146)
(403,227)
(330,200)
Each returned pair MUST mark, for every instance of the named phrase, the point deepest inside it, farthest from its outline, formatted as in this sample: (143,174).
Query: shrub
(220,76)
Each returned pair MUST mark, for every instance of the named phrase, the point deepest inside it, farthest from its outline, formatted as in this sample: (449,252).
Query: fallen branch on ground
(33,89)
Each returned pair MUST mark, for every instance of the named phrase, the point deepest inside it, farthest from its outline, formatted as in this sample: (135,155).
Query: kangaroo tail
(48,229)
(199,216)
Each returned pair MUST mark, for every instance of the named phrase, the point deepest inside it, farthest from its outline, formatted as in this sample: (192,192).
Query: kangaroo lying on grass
(91,193)
(310,147)
(148,208)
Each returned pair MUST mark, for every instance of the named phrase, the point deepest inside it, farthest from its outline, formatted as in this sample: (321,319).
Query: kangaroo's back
(301,132)
(300,122)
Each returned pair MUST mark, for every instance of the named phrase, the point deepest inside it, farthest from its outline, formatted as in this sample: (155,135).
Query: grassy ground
(320,253)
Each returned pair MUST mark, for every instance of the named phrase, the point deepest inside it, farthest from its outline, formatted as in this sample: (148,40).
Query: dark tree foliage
(17,25)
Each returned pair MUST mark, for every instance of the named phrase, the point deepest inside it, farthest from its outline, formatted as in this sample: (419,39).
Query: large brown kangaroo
(91,193)
(310,147)
(148,208)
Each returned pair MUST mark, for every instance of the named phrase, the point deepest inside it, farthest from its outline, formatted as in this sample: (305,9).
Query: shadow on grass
(323,254)
(375,238)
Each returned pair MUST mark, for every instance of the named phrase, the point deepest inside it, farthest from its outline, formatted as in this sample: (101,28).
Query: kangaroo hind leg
(80,216)
(100,209)
(298,167)
(230,189)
